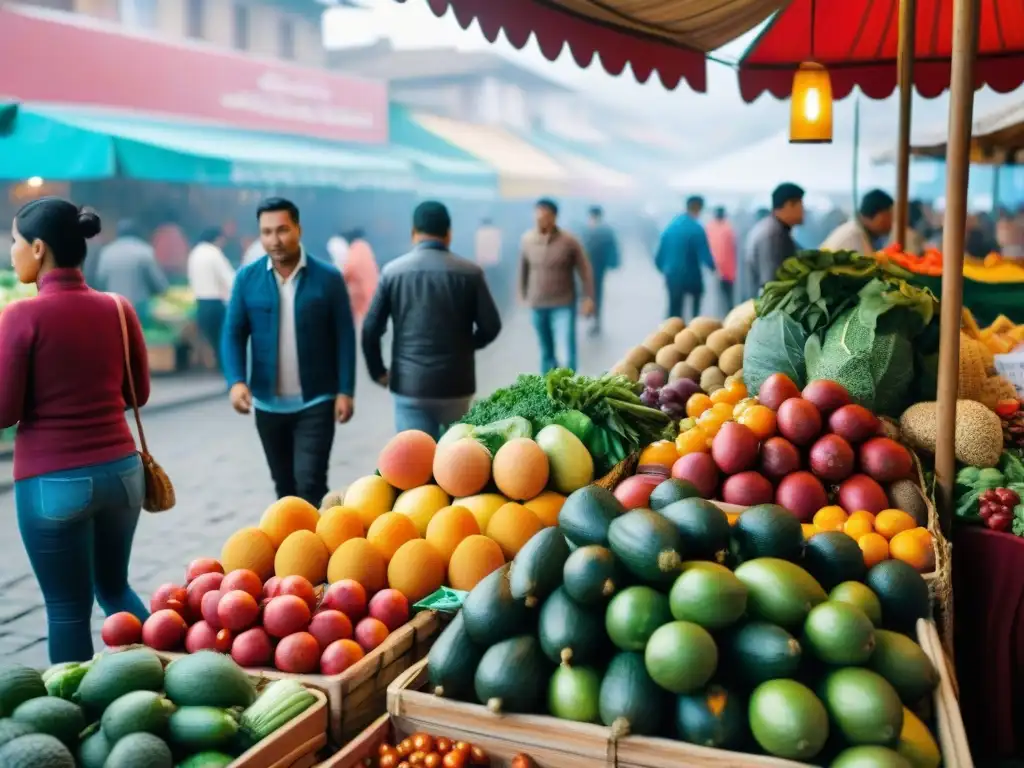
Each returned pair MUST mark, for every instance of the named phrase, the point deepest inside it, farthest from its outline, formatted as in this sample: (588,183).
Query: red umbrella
(857,41)
(669,37)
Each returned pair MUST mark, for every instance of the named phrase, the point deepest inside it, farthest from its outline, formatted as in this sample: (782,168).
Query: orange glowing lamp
(810,115)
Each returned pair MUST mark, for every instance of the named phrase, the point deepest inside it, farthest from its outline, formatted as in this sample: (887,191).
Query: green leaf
(775,344)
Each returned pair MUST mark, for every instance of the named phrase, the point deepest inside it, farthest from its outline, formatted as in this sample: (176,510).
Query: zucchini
(630,700)
(452,660)
(647,544)
(281,702)
(586,515)
(513,676)
(569,632)
(537,569)
(491,613)
(198,729)
(591,575)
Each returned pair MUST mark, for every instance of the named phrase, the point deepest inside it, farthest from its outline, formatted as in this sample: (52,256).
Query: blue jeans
(430,415)
(556,332)
(78,527)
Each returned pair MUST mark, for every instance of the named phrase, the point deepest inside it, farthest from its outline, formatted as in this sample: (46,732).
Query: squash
(703,527)
(586,515)
(537,569)
(513,676)
(630,701)
(452,661)
(590,575)
(490,611)
(714,717)
(647,544)
(568,632)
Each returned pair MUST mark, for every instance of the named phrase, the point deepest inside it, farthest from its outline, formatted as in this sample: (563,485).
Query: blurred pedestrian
(602,249)
(210,277)
(549,260)
(682,253)
(78,479)
(361,274)
(868,230)
(771,242)
(337,249)
(128,267)
(441,312)
(1010,235)
(722,240)
(293,310)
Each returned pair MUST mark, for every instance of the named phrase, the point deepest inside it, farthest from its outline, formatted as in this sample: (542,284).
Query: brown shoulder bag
(159,489)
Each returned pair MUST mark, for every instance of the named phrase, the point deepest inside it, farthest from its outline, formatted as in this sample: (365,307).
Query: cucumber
(647,544)
(491,613)
(56,717)
(591,575)
(452,661)
(537,569)
(136,712)
(513,676)
(116,673)
(568,632)
(197,729)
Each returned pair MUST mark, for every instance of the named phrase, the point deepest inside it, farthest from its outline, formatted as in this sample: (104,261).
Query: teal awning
(442,169)
(79,143)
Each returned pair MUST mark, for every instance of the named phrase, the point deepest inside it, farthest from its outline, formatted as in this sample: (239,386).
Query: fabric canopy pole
(905,57)
(961,110)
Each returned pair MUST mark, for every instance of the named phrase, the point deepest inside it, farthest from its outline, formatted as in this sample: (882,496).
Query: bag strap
(128,370)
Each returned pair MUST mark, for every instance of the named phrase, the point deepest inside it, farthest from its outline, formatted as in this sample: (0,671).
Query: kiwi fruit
(623,368)
(683,371)
(702,357)
(704,327)
(721,340)
(672,326)
(668,356)
(656,341)
(686,341)
(710,377)
(731,360)
(638,357)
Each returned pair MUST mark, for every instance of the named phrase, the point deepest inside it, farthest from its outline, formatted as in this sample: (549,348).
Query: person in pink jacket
(361,274)
(722,240)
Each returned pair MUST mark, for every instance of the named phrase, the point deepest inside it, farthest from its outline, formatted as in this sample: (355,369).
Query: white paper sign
(1011,367)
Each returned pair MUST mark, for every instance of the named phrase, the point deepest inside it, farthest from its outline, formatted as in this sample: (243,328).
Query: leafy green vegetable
(576,422)
(1017,527)
(1012,468)
(775,344)
(527,398)
(497,433)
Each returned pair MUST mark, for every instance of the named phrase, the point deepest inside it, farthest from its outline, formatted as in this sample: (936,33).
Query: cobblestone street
(217,465)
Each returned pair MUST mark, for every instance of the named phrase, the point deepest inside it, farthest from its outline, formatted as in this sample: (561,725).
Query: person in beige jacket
(868,231)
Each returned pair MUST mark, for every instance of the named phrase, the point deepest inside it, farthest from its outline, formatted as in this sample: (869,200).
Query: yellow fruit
(371,497)
(875,548)
(449,527)
(697,404)
(482,506)
(472,560)
(337,525)
(890,522)
(734,517)
(662,453)
(416,570)
(760,420)
(723,395)
(859,524)
(723,410)
(286,516)
(421,504)
(303,554)
(742,405)
(249,549)
(808,530)
(693,440)
(547,506)
(390,531)
(830,519)
(359,560)
(512,526)
(914,550)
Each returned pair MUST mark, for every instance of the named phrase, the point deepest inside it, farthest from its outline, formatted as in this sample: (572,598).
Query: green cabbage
(775,344)
(876,365)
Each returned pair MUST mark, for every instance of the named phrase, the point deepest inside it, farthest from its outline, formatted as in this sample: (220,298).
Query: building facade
(280,29)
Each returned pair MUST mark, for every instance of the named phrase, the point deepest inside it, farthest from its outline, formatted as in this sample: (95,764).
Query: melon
(421,504)
(390,531)
(303,554)
(371,497)
(359,560)
(482,506)
(520,469)
(462,467)
(407,461)
(449,527)
(416,570)
(337,525)
(251,549)
(511,527)
(286,516)
(474,558)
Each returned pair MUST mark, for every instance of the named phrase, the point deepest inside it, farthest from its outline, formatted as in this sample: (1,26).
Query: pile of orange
(891,534)
(705,415)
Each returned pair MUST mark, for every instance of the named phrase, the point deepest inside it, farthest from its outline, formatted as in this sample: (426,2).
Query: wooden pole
(908,23)
(961,109)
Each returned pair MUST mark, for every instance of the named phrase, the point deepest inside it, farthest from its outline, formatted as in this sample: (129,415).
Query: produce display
(123,709)
(421,750)
(668,621)
(991,269)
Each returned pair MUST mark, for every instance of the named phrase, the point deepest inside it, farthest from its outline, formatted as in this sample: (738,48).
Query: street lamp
(810,114)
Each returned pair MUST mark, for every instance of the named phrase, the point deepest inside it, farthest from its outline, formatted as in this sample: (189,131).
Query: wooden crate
(556,743)
(295,745)
(358,696)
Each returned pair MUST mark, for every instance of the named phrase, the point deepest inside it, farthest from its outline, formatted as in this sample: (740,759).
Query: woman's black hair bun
(89,224)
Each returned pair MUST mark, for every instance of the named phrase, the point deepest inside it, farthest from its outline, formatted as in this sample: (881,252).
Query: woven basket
(619,472)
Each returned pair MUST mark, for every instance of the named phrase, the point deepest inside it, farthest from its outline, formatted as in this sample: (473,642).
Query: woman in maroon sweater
(79,484)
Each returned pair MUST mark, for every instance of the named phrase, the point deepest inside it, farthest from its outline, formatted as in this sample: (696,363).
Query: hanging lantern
(810,115)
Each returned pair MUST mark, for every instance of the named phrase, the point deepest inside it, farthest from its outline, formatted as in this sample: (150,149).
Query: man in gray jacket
(771,242)
(441,313)
(127,266)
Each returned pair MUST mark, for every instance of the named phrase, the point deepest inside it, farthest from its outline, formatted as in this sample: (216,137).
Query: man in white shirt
(253,253)
(867,232)
(210,276)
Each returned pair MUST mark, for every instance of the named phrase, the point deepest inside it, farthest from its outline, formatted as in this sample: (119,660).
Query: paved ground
(215,460)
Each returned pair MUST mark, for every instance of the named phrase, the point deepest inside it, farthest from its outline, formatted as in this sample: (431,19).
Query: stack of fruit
(624,618)
(704,353)
(124,710)
(284,623)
